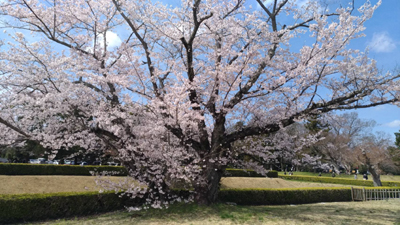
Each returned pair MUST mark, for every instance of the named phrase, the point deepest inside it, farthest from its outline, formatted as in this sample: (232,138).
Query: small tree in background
(395,151)
(23,152)
(346,132)
(373,153)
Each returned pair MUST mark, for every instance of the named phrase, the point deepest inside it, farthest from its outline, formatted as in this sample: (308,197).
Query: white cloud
(300,3)
(266,3)
(381,42)
(112,39)
(394,123)
(379,108)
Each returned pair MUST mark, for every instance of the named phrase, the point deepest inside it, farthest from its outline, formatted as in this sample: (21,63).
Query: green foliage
(18,208)
(272,173)
(394,153)
(315,125)
(48,169)
(30,149)
(247,173)
(284,196)
(359,182)
(397,140)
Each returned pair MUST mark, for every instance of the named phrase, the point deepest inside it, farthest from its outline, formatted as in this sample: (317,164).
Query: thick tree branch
(144,45)
(14,128)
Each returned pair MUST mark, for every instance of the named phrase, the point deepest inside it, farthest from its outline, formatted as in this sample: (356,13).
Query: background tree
(373,152)
(351,126)
(163,94)
(395,151)
(23,152)
(350,142)
(315,125)
(347,131)
(337,143)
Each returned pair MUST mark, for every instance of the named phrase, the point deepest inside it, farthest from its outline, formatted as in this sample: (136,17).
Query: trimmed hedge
(230,172)
(73,170)
(285,196)
(21,208)
(33,207)
(48,169)
(334,180)
(18,208)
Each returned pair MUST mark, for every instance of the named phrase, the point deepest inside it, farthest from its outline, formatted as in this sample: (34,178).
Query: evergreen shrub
(230,172)
(49,169)
(31,207)
(284,196)
(74,170)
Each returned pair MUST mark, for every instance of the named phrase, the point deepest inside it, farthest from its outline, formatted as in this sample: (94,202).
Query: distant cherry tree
(374,153)
(158,85)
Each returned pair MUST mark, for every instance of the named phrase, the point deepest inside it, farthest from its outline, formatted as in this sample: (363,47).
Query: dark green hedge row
(19,208)
(248,173)
(334,180)
(48,169)
(285,196)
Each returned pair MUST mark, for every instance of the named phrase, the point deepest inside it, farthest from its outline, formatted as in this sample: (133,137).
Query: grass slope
(372,212)
(383,177)
(48,184)
(255,182)
(53,184)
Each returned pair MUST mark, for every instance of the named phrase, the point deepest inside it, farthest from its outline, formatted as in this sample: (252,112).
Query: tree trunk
(335,167)
(208,188)
(207,194)
(375,177)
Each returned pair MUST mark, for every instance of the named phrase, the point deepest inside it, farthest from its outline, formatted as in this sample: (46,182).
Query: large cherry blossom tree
(163,96)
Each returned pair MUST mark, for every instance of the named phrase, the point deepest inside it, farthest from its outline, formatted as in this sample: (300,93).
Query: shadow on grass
(373,212)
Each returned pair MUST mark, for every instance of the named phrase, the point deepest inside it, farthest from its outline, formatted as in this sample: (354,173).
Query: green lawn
(53,184)
(323,174)
(49,184)
(372,212)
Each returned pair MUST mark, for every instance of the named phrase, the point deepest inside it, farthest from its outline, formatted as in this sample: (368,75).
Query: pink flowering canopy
(164,87)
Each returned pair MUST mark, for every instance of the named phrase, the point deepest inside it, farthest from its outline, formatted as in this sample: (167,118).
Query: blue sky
(383,40)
